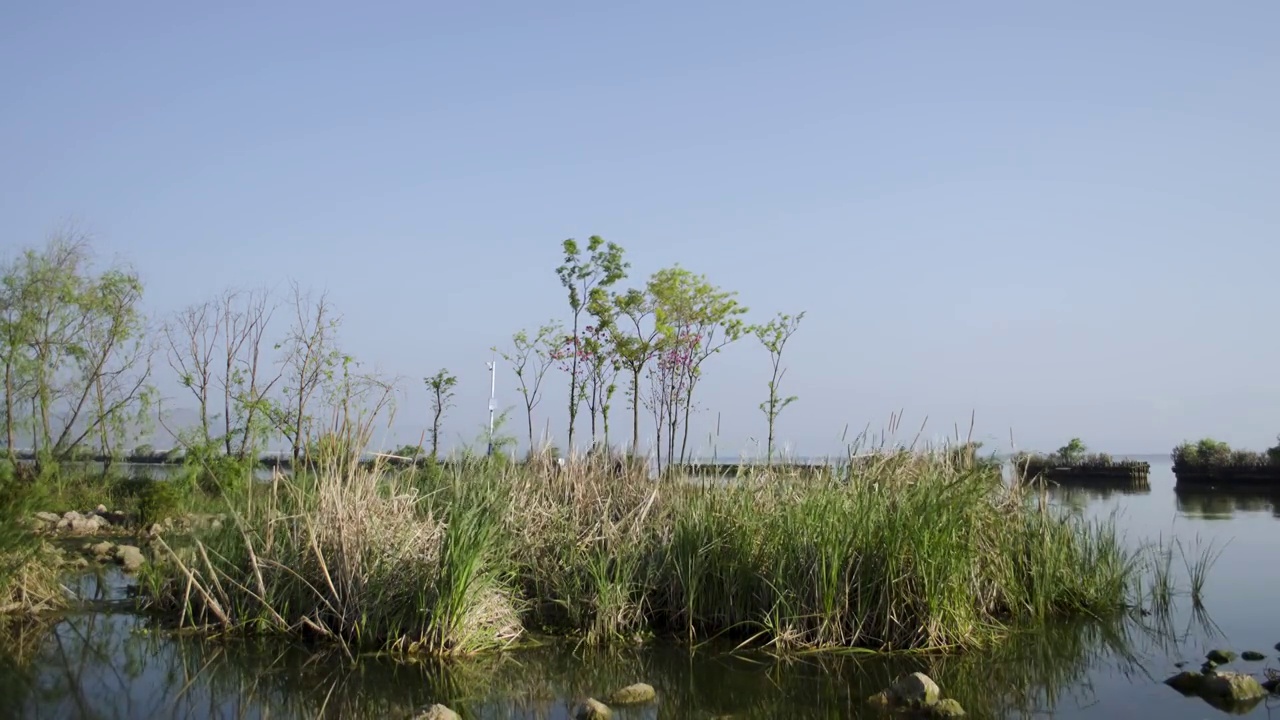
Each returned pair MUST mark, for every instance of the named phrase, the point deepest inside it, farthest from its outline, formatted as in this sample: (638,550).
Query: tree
(774,336)
(696,320)
(601,371)
(1073,451)
(191,337)
(586,279)
(634,350)
(441,386)
(74,350)
(246,381)
(530,359)
(310,360)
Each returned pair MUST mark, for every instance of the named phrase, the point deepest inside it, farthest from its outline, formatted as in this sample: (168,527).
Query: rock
(637,694)
(102,550)
(100,510)
(80,525)
(1221,657)
(945,709)
(592,709)
(914,690)
(1272,686)
(1252,656)
(155,530)
(1180,664)
(1231,688)
(48,518)
(880,699)
(1186,682)
(436,712)
(130,557)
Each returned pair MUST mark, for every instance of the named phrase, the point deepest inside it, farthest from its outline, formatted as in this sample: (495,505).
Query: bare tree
(309,361)
(246,380)
(191,337)
(530,359)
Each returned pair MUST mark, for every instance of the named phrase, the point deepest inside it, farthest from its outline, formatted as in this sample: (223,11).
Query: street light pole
(493,387)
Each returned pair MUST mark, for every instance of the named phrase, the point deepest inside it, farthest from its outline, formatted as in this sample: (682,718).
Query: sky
(1058,219)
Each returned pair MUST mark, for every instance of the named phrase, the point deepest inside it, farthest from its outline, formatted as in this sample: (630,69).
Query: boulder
(102,550)
(591,709)
(1272,686)
(436,712)
(914,690)
(100,510)
(945,709)
(48,518)
(1231,688)
(130,557)
(1186,682)
(1221,657)
(1252,656)
(637,694)
(87,526)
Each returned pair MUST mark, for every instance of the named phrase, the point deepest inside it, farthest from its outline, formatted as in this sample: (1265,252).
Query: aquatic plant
(28,566)
(908,552)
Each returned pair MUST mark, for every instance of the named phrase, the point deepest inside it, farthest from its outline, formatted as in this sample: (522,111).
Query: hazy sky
(1060,216)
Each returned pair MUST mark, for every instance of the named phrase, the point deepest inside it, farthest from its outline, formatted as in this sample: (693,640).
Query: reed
(905,552)
(29,581)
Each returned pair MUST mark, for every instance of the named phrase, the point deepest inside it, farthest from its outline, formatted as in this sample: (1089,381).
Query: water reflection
(1224,504)
(1079,496)
(110,665)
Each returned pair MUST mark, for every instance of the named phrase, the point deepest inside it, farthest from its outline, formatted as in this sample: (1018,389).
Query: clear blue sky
(1061,216)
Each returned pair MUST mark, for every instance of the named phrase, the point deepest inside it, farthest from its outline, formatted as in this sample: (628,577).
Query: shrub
(1207,453)
(159,500)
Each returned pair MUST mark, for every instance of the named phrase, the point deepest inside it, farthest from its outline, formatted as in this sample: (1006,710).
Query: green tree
(1073,451)
(697,320)
(586,277)
(601,363)
(774,336)
(74,351)
(635,340)
(530,359)
(441,386)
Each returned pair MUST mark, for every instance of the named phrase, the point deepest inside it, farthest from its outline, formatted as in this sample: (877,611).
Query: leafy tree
(587,278)
(530,359)
(1073,451)
(774,336)
(635,342)
(73,350)
(441,386)
(696,320)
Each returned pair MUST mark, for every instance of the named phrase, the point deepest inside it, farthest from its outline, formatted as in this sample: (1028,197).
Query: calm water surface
(105,662)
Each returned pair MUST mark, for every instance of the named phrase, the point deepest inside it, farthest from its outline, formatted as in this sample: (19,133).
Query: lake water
(104,662)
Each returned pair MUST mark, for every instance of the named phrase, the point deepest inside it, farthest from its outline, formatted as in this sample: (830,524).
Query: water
(105,662)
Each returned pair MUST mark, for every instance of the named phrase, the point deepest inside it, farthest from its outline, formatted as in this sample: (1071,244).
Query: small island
(1214,465)
(1072,463)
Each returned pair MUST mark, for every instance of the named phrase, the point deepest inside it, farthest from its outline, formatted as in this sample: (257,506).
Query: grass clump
(910,552)
(353,558)
(29,581)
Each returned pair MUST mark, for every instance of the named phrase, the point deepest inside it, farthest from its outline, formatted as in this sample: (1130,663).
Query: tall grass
(29,580)
(905,551)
